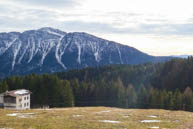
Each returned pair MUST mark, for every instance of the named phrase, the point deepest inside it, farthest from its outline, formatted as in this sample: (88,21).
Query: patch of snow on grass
(76,115)
(103,111)
(13,114)
(155,127)
(28,113)
(176,121)
(25,116)
(152,116)
(110,121)
(21,115)
(6,128)
(150,121)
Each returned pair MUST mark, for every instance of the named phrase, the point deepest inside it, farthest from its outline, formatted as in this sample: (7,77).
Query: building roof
(18,92)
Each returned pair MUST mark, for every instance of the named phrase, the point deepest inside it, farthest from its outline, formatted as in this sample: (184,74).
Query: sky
(156,27)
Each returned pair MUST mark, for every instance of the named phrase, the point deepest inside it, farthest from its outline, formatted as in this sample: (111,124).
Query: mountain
(182,56)
(49,50)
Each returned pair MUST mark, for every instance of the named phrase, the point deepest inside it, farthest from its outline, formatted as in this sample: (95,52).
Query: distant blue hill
(181,56)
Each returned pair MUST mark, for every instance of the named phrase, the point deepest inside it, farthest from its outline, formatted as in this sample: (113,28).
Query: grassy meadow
(95,118)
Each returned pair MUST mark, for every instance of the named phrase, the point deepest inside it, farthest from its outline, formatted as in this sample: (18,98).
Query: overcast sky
(157,27)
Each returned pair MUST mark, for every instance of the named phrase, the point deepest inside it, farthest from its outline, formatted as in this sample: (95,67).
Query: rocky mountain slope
(50,50)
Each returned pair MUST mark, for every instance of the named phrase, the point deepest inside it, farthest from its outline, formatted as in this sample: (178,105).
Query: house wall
(23,102)
(9,106)
(9,102)
(1,101)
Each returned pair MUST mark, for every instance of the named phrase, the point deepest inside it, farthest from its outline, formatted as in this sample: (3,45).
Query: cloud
(47,3)
(28,20)
(166,29)
(102,22)
(141,29)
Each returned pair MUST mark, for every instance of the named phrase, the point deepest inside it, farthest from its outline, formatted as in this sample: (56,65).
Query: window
(27,97)
(24,104)
(27,104)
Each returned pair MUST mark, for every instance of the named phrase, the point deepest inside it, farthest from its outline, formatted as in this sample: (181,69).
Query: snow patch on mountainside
(79,52)
(119,54)
(45,46)
(23,52)
(15,52)
(59,55)
(97,58)
(95,49)
(7,46)
(32,50)
(54,33)
(58,52)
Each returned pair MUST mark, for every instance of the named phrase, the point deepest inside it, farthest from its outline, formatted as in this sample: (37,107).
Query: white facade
(23,102)
(18,99)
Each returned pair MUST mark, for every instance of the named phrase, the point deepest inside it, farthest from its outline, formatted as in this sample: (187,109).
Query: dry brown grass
(91,118)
